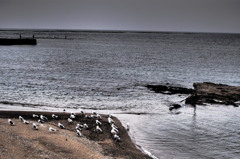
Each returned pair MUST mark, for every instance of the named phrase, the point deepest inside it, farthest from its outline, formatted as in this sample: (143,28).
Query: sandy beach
(22,141)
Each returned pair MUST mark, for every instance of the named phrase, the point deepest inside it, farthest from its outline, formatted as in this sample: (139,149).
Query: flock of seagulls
(97,117)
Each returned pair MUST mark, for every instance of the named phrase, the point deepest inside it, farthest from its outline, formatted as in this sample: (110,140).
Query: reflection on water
(212,132)
(108,72)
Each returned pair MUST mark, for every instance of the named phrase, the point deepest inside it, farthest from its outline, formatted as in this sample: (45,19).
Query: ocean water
(107,72)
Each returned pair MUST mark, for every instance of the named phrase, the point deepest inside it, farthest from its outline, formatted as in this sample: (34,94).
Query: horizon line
(116,31)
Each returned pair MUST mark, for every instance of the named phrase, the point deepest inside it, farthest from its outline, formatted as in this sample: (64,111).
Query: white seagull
(98,122)
(34,126)
(110,120)
(128,127)
(51,129)
(99,116)
(79,133)
(70,120)
(35,116)
(54,116)
(85,126)
(78,127)
(61,126)
(98,129)
(43,118)
(10,122)
(21,118)
(41,121)
(116,137)
(114,132)
(26,122)
(114,126)
(72,116)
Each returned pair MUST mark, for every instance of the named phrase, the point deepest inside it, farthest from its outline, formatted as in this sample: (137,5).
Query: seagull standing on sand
(70,120)
(72,116)
(10,122)
(61,126)
(43,118)
(110,120)
(98,116)
(78,127)
(35,116)
(40,121)
(51,129)
(85,126)
(34,126)
(21,118)
(26,122)
(54,116)
(98,129)
(114,132)
(116,137)
(79,133)
(98,122)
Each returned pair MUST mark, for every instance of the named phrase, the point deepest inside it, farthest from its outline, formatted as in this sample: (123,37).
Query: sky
(132,15)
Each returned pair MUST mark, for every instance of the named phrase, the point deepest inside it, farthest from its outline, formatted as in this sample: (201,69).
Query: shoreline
(101,145)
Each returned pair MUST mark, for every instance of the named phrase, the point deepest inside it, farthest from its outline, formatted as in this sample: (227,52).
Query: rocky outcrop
(214,93)
(167,89)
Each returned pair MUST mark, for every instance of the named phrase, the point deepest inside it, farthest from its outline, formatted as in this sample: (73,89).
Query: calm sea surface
(107,72)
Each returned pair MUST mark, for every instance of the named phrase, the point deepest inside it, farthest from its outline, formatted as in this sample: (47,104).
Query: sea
(107,72)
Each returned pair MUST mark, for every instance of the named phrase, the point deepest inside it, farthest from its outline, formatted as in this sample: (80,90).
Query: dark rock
(214,94)
(174,107)
(166,89)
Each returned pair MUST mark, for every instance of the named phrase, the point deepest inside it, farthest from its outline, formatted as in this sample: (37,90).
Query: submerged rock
(214,94)
(166,89)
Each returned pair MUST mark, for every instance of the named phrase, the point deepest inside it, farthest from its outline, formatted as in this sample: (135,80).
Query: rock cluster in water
(205,92)
(214,93)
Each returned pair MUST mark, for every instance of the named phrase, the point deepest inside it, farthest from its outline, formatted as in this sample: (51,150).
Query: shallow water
(108,72)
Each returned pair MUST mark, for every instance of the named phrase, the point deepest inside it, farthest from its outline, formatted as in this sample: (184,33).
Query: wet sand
(22,141)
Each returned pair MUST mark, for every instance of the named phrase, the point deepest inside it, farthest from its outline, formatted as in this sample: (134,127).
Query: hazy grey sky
(145,15)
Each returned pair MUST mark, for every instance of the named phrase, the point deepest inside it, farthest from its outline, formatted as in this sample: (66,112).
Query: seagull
(128,127)
(116,137)
(78,127)
(21,118)
(98,122)
(99,116)
(43,118)
(114,126)
(72,116)
(11,122)
(114,132)
(54,116)
(61,126)
(51,129)
(70,120)
(98,129)
(34,126)
(79,133)
(35,116)
(110,120)
(41,121)
(26,122)
(85,126)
